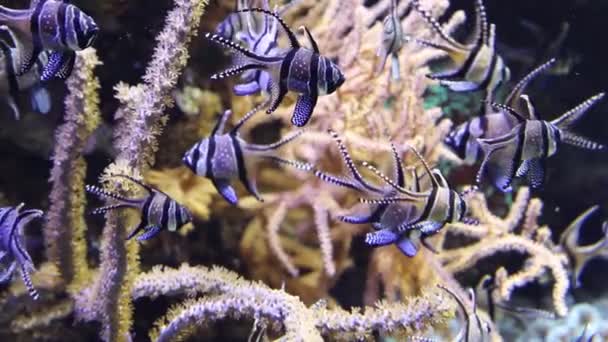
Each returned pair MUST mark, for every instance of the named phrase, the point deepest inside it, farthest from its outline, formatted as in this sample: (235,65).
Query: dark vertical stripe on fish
(240,163)
(80,38)
(466,67)
(451,207)
(521,136)
(490,72)
(164,218)
(145,212)
(545,139)
(210,155)
(462,148)
(313,86)
(430,204)
(62,24)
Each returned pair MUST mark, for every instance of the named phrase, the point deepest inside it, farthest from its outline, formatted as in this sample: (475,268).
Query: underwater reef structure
(285,255)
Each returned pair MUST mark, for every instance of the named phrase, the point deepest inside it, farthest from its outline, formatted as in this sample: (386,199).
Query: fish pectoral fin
(536,172)
(381,237)
(355,219)
(149,232)
(227,191)
(460,85)
(60,65)
(407,247)
(245,89)
(304,108)
(523,168)
(136,230)
(277,93)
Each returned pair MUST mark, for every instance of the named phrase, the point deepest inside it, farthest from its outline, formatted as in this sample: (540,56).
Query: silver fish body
(13,254)
(523,151)
(474,65)
(158,210)
(51,25)
(299,69)
(225,156)
(391,42)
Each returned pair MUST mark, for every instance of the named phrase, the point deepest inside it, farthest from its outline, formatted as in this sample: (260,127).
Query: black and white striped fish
(400,222)
(474,65)
(51,25)
(391,42)
(12,251)
(258,34)
(11,84)
(475,329)
(491,123)
(432,209)
(223,157)
(158,210)
(524,150)
(299,69)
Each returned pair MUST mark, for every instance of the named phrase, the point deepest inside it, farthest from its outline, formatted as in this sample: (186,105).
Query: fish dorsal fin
(523,83)
(508,110)
(481,23)
(246,117)
(434,181)
(530,110)
(443,183)
(219,125)
(290,35)
(148,189)
(311,40)
(571,116)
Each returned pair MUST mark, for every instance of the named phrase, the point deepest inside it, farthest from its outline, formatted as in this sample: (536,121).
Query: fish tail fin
(579,141)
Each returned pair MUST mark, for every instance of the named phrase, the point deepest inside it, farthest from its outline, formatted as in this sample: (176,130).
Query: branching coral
(494,235)
(65,228)
(228,295)
(142,119)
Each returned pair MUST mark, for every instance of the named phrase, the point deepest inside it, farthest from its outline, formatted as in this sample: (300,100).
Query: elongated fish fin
(381,237)
(218,129)
(290,35)
(11,102)
(67,65)
(267,148)
(40,99)
(339,181)
(246,117)
(149,232)
(391,183)
(25,275)
(520,87)
(570,117)
(536,172)
(481,24)
(509,110)
(293,163)
(251,187)
(102,193)
(398,172)
(103,210)
(304,108)
(235,71)
(148,189)
(253,57)
(277,94)
(523,169)
(141,226)
(227,191)
(435,26)
(56,61)
(8,273)
(578,141)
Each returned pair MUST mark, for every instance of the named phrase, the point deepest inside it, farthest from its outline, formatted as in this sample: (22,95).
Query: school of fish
(510,139)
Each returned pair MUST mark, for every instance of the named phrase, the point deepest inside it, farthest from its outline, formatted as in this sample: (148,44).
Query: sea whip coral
(64,232)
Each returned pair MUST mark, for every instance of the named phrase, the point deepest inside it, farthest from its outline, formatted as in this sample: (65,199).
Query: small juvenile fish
(50,25)
(257,35)
(491,123)
(11,83)
(475,329)
(158,210)
(475,65)
(392,41)
(299,69)
(223,157)
(524,150)
(12,252)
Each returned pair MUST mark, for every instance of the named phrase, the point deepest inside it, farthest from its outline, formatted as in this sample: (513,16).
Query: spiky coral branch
(495,235)
(64,232)
(230,295)
(142,118)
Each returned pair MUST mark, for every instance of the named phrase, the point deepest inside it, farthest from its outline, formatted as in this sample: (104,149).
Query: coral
(64,231)
(494,235)
(226,294)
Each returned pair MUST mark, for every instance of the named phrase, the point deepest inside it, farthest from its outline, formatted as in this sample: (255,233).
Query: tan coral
(494,235)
